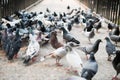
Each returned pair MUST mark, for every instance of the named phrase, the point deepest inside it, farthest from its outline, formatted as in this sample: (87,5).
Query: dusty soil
(47,70)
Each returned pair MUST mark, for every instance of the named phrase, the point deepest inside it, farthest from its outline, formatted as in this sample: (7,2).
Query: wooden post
(0,9)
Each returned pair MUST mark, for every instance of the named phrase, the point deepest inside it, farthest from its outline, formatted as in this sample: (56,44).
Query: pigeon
(89,25)
(32,49)
(54,40)
(90,68)
(98,26)
(47,10)
(73,58)
(116,31)
(89,34)
(94,48)
(68,37)
(58,54)
(15,46)
(114,38)
(68,7)
(110,48)
(116,64)
(110,26)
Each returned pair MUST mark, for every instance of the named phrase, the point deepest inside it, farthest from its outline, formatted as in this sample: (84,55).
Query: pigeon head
(54,33)
(27,59)
(117,52)
(99,40)
(92,58)
(68,48)
(106,38)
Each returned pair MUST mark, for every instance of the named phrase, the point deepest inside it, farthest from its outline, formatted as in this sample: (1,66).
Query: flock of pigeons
(39,29)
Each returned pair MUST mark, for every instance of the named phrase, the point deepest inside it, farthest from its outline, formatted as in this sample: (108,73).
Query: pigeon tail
(76,41)
(88,74)
(27,59)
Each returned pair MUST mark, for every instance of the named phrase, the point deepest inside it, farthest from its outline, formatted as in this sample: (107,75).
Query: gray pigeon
(90,68)
(94,48)
(110,48)
(69,37)
(114,38)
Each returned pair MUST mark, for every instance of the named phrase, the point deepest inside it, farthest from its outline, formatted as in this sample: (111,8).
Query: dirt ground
(47,70)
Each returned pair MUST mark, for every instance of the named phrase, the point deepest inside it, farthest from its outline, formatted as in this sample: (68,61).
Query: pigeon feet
(58,64)
(68,70)
(33,59)
(75,71)
(10,61)
(115,78)
(109,58)
(15,56)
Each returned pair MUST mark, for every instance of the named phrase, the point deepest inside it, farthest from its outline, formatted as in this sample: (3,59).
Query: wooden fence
(108,8)
(8,7)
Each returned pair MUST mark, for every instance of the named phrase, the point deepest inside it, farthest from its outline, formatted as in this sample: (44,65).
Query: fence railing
(108,8)
(8,7)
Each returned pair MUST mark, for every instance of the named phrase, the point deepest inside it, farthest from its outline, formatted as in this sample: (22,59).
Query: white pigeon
(32,49)
(33,45)
(73,58)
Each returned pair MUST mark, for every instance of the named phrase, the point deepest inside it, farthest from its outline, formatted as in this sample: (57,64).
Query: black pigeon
(94,48)
(76,19)
(110,26)
(9,18)
(69,26)
(90,68)
(110,48)
(116,64)
(60,16)
(6,41)
(47,10)
(114,38)
(15,46)
(68,37)
(55,14)
(116,31)
(68,7)
(89,25)
(98,26)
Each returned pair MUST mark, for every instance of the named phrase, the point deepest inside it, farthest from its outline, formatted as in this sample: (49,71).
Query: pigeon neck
(97,44)
(92,58)
(108,40)
(64,30)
